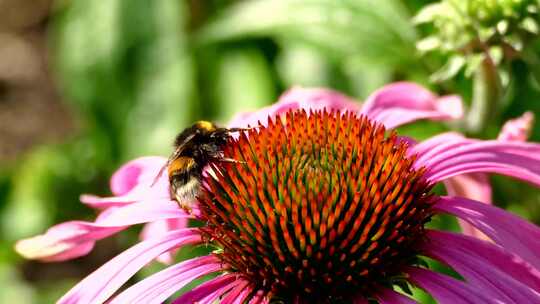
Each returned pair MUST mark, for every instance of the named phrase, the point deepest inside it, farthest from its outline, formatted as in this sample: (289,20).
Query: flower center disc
(320,208)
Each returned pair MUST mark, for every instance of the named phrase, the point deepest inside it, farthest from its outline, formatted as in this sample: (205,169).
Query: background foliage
(116,79)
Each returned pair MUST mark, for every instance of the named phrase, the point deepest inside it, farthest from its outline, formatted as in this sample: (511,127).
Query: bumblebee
(194,148)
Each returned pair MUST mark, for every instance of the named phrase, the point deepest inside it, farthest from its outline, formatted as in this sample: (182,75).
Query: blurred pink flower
(306,228)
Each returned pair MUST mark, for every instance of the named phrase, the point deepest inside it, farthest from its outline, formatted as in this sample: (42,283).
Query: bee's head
(203,126)
(200,129)
(209,132)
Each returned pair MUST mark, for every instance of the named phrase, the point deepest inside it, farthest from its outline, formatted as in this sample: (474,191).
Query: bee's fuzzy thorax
(195,148)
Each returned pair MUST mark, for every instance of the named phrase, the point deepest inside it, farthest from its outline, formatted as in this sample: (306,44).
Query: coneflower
(324,206)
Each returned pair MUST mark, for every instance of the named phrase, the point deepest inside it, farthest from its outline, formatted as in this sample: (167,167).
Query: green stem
(486,100)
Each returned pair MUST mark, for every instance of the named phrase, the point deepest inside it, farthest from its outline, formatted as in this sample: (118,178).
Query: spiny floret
(320,204)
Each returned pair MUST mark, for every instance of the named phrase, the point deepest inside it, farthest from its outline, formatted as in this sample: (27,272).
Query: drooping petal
(388,296)
(475,186)
(102,283)
(160,286)
(133,182)
(99,202)
(447,290)
(392,105)
(435,145)
(404,102)
(515,159)
(486,266)
(161,227)
(64,241)
(515,234)
(298,98)
(76,238)
(207,289)
(517,129)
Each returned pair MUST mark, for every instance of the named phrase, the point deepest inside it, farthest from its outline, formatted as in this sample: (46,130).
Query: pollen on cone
(320,204)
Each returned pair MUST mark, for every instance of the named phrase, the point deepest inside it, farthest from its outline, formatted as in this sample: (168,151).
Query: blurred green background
(86,85)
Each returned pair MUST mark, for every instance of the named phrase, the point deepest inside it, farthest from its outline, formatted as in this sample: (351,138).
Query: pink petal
(98,202)
(160,286)
(237,295)
(161,227)
(298,98)
(475,186)
(409,141)
(516,235)
(388,296)
(404,102)
(64,241)
(207,289)
(427,149)
(218,294)
(102,283)
(516,159)
(446,289)
(259,298)
(393,105)
(517,129)
(430,151)
(141,212)
(133,182)
(487,266)
(76,238)
(134,172)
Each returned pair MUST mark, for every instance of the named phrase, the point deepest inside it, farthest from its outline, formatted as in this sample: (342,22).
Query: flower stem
(486,100)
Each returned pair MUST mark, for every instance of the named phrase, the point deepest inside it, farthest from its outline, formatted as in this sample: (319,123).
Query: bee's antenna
(160,173)
(230,130)
(231,160)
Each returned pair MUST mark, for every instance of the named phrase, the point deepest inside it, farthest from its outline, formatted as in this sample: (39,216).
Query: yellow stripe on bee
(182,163)
(206,125)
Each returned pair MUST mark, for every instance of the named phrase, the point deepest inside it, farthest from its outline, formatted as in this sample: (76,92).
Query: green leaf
(379,30)
(473,63)
(244,82)
(364,76)
(429,43)
(164,83)
(14,288)
(302,64)
(27,211)
(449,70)
(430,12)
(530,25)
(496,54)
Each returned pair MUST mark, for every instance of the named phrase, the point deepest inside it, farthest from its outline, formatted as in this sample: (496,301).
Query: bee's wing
(173,156)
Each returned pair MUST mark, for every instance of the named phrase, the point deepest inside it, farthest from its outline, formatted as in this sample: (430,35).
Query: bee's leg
(231,130)
(230,160)
(186,208)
